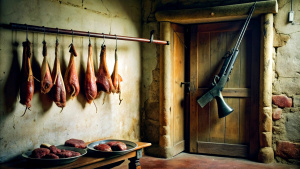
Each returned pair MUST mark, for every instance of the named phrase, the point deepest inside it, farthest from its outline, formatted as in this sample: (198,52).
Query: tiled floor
(196,161)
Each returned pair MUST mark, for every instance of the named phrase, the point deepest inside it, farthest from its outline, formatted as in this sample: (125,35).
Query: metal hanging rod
(82,33)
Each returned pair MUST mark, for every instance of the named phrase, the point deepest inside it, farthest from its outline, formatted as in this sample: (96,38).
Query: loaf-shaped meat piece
(75,143)
(65,154)
(51,156)
(39,152)
(103,147)
(117,145)
(111,143)
(54,149)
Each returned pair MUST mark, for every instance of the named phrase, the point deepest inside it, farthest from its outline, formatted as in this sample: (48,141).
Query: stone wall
(286,88)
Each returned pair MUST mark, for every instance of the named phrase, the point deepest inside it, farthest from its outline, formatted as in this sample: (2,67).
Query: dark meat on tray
(75,143)
(103,147)
(51,156)
(117,145)
(39,152)
(54,149)
(67,153)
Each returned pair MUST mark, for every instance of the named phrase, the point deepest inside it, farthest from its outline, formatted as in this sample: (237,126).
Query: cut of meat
(75,143)
(65,154)
(90,85)
(27,82)
(46,80)
(104,82)
(54,149)
(119,147)
(111,143)
(116,78)
(39,152)
(103,147)
(71,78)
(51,156)
(58,89)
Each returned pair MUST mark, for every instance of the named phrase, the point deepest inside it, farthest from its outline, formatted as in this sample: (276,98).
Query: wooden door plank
(245,72)
(178,101)
(234,150)
(232,120)
(203,59)
(193,85)
(218,49)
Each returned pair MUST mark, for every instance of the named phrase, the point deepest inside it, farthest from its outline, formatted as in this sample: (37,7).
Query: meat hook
(89,38)
(116,42)
(103,39)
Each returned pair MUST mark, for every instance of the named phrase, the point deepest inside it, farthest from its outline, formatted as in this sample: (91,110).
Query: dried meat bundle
(104,82)
(58,89)
(90,85)
(116,78)
(27,81)
(46,80)
(71,78)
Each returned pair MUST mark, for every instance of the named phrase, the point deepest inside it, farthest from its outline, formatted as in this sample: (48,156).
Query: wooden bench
(90,161)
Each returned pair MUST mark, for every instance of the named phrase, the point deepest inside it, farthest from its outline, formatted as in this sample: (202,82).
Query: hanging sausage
(46,80)
(71,78)
(58,89)
(90,85)
(27,81)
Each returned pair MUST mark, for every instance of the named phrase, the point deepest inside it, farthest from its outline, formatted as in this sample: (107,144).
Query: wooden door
(237,133)
(178,66)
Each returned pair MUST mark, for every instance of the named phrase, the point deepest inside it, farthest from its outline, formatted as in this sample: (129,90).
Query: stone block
(266,139)
(292,126)
(287,85)
(276,115)
(280,39)
(288,150)
(282,101)
(266,155)
(296,100)
(266,120)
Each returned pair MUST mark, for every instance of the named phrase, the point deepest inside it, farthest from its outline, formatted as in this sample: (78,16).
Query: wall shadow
(11,88)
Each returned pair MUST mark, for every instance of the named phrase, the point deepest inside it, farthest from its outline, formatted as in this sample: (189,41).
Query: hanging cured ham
(104,82)
(90,85)
(27,81)
(58,89)
(116,78)
(46,80)
(71,78)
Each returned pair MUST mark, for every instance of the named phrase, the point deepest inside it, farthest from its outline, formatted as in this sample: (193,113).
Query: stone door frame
(265,10)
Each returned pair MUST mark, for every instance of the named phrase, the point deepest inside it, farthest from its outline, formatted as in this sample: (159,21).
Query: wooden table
(90,161)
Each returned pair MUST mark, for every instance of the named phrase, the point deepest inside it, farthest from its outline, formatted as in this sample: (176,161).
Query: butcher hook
(72,35)
(57,35)
(44,32)
(103,39)
(26,32)
(89,38)
(116,42)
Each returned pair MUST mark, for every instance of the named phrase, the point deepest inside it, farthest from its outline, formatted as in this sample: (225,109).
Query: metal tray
(130,147)
(52,162)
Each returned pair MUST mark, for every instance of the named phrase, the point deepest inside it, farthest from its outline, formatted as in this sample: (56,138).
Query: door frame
(265,95)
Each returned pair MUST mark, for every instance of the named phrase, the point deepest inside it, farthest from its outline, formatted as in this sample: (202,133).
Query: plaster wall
(46,122)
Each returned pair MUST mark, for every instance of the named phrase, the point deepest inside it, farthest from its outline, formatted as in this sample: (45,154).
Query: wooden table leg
(135,161)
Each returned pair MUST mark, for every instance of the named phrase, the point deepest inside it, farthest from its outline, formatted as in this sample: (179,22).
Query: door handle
(186,83)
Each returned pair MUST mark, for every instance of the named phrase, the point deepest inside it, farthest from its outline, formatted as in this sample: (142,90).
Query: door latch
(186,83)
